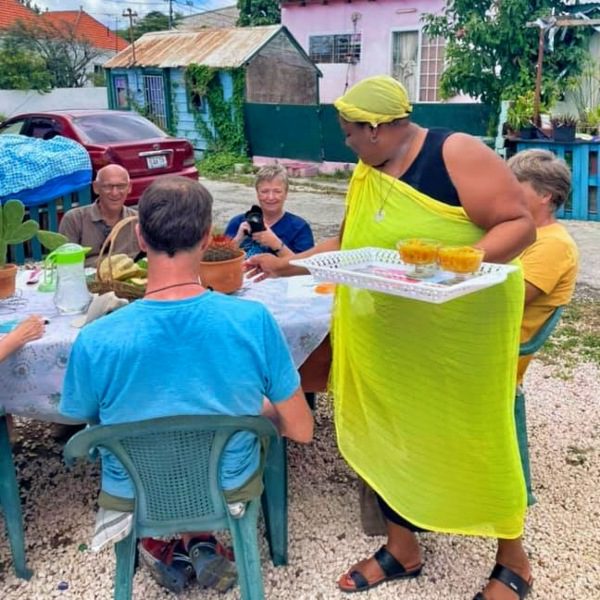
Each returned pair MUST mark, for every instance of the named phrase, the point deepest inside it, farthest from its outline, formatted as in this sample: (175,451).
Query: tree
(23,70)
(66,55)
(152,21)
(491,55)
(258,12)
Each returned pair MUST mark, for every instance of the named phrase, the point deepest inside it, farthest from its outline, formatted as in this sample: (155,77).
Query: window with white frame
(342,48)
(419,72)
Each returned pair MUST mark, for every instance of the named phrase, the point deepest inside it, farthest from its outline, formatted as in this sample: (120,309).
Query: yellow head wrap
(374,100)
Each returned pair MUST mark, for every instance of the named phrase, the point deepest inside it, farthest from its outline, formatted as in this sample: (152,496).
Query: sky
(110,12)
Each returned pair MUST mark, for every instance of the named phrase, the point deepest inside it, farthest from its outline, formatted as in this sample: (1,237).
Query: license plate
(156,162)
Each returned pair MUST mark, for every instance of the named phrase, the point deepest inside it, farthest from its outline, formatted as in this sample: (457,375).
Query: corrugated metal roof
(218,48)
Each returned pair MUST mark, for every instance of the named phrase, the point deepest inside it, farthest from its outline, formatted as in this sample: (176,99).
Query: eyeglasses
(120,187)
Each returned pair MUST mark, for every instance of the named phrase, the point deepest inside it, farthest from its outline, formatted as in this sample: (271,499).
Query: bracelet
(278,250)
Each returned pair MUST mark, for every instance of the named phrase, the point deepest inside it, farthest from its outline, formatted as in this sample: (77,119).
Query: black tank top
(428,173)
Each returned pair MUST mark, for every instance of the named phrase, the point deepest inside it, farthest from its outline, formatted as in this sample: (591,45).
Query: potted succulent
(563,127)
(221,267)
(14,230)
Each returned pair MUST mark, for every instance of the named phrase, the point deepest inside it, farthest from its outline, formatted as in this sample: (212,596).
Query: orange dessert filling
(325,288)
(418,252)
(460,259)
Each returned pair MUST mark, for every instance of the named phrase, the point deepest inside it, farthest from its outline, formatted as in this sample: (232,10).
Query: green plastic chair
(526,349)
(11,503)
(174,465)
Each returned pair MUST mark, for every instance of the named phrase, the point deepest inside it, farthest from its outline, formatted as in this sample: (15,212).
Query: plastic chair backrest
(174,464)
(542,334)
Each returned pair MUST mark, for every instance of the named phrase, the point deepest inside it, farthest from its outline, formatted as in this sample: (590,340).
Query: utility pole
(170,13)
(130,15)
(545,24)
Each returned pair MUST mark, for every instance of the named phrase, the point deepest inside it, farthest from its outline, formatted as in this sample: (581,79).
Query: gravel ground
(325,536)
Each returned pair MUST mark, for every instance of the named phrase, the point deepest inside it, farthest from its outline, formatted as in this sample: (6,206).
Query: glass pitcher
(71,295)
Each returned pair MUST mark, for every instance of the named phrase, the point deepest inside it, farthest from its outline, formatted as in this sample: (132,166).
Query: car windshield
(116,127)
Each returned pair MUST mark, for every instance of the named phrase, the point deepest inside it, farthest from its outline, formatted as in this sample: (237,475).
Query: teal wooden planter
(582,158)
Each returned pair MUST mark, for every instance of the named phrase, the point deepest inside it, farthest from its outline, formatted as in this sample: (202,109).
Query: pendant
(379,216)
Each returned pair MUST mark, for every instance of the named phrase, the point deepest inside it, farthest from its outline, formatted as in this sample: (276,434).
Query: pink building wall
(375,20)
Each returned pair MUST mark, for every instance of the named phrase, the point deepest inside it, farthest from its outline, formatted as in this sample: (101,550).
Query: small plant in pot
(221,267)
(563,127)
(14,230)
(520,116)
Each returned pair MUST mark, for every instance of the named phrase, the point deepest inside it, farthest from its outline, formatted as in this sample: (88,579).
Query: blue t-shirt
(210,354)
(291,229)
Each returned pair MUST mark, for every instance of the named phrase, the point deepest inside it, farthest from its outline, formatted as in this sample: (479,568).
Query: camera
(254,218)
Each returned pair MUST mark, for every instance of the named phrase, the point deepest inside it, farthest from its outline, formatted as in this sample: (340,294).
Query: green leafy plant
(520,112)
(14,230)
(223,126)
(214,164)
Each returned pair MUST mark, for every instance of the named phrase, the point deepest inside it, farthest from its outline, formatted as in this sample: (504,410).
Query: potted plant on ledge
(563,127)
(13,230)
(520,117)
(221,268)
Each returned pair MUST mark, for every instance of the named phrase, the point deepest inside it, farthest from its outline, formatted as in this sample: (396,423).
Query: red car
(114,136)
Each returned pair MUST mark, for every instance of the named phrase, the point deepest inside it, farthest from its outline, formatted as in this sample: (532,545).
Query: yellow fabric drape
(424,393)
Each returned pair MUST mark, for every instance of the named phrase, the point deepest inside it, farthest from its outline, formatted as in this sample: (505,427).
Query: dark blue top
(428,173)
(291,229)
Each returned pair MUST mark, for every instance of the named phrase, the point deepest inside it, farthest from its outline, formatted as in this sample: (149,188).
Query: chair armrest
(543,333)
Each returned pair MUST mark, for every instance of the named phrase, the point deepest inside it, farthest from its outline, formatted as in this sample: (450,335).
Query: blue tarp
(35,170)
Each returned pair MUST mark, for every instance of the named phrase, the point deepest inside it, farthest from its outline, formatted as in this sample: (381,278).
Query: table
(31,379)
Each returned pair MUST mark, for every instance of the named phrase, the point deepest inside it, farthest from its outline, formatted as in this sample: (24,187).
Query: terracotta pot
(8,277)
(224,276)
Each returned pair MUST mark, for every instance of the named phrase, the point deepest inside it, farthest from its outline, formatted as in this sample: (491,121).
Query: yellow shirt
(550,264)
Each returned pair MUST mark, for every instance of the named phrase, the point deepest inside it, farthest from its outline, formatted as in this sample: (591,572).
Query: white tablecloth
(31,379)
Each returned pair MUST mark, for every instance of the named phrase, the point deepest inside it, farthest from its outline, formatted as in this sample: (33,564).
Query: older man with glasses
(90,225)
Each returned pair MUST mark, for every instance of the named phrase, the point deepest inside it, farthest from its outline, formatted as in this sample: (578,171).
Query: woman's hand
(31,328)
(242,232)
(261,266)
(267,239)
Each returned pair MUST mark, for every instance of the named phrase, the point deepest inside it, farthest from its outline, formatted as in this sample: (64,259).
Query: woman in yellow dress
(424,392)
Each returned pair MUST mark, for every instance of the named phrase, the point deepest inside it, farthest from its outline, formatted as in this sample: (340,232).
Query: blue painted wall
(177,96)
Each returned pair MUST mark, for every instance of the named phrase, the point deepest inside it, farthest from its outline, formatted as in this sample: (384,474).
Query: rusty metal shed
(149,75)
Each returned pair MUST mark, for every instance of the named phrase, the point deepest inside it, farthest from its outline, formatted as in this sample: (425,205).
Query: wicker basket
(122,289)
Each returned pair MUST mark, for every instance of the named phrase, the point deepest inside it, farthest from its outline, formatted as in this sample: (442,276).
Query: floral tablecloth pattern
(31,379)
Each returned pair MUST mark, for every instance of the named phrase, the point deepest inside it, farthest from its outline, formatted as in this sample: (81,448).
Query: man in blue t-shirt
(172,352)
(284,233)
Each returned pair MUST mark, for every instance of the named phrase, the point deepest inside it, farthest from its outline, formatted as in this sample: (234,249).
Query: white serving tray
(382,270)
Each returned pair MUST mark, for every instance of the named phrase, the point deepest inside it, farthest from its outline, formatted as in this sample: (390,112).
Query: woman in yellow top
(424,393)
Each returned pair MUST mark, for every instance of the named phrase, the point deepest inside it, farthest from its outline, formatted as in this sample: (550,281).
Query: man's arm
(292,417)
(531,292)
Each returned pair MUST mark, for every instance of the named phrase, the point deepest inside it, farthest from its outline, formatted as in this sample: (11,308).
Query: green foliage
(520,113)
(23,70)
(152,21)
(214,164)
(14,230)
(258,12)
(491,55)
(224,132)
(563,120)
(66,56)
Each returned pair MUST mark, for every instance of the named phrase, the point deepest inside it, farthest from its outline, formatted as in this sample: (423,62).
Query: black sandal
(391,568)
(511,580)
